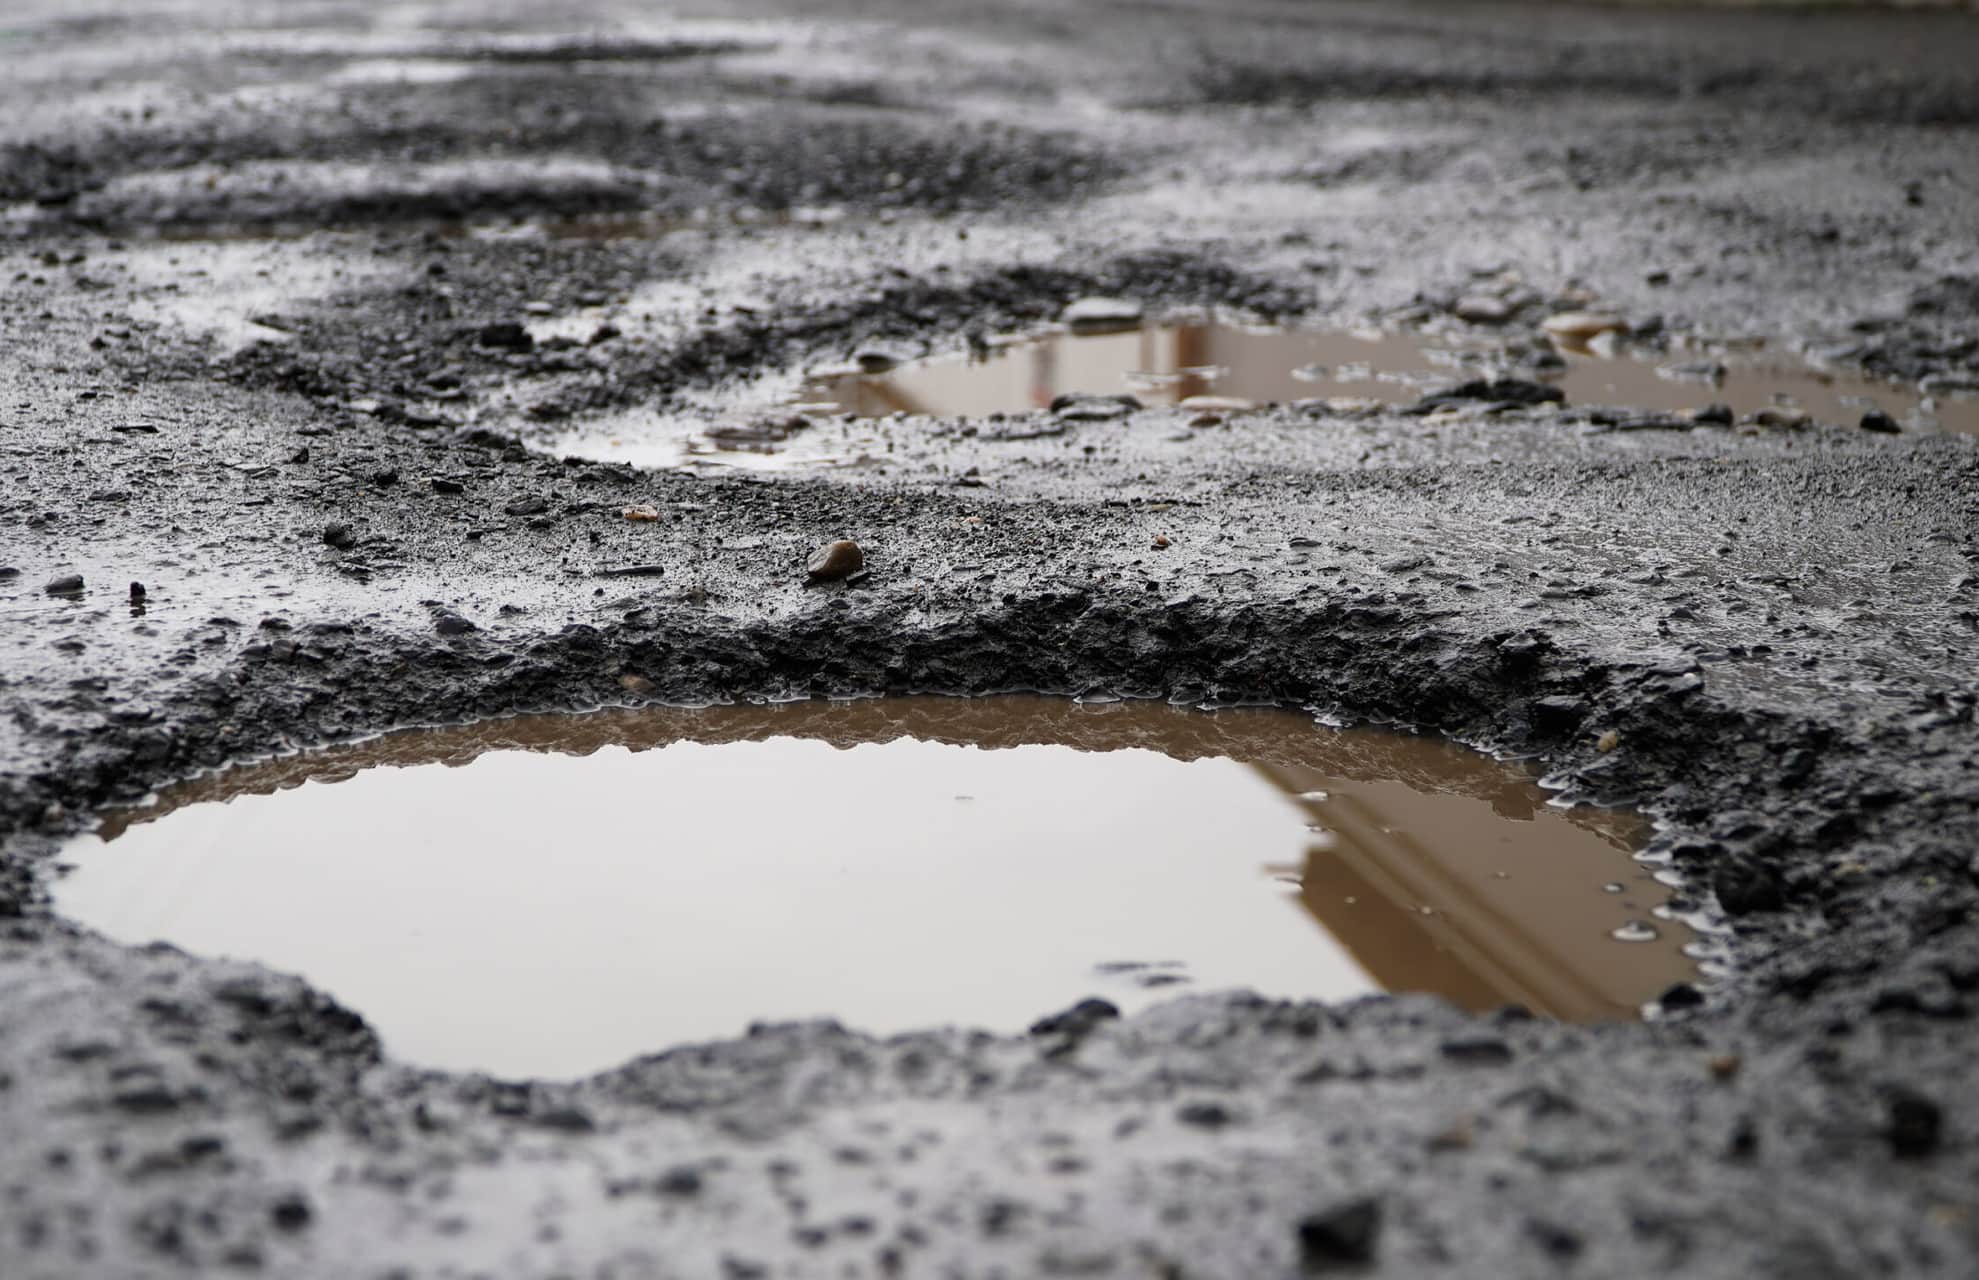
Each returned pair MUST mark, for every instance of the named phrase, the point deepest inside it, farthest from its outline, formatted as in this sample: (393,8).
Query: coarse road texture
(293,299)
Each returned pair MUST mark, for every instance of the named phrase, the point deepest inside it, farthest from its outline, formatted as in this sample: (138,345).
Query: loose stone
(877,360)
(339,535)
(505,336)
(1582,326)
(1681,995)
(1102,315)
(69,584)
(1916,1124)
(1082,407)
(1939,384)
(1343,1236)
(531,506)
(1483,310)
(1878,421)
(835,561)
(1217,404)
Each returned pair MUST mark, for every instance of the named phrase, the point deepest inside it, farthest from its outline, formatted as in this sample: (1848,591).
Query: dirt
(328,480)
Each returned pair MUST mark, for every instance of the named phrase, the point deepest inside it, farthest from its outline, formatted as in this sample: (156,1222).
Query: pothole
(551,895)
(836,416)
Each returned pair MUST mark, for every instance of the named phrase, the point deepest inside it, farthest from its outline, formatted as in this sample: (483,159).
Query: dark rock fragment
(1342,1236)
(684,1180)
(565,1120)
(1478,1051)
(452,624)
(1878,421)
(1559,714)
(1681,995)
(69,584)
(1916,1123)
(1510,391)
(1077,1021)
(529,506)
(291,1212)
(1714,415)
(145,1099)
(1205,1115)
(1744,886)
(1555,1240)
(505,335)
(339,535)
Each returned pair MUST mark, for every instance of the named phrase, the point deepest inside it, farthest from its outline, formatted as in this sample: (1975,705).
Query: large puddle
(1224,367)
(549,896)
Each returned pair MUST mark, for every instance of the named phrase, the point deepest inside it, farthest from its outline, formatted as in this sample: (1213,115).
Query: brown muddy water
(552,895)
(1221,367)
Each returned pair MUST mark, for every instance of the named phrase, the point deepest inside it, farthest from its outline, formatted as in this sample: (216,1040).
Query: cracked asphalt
(295,305)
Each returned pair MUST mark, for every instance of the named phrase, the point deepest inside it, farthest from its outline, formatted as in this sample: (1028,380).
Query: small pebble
(1878,421)
(69,584)
(835,561)
(1343,1236)
(1582,326)
(1483,310)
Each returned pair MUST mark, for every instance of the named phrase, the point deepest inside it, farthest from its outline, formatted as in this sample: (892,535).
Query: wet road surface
(297,307)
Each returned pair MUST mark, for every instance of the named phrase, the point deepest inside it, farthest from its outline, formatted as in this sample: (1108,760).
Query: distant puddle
(1173,365)
(492,901)
(1169,365)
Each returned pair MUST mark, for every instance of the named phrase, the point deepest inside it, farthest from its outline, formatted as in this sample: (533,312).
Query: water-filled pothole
(1220,366)
(552,895)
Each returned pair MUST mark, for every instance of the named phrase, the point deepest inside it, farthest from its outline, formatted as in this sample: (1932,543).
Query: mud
(343,522)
